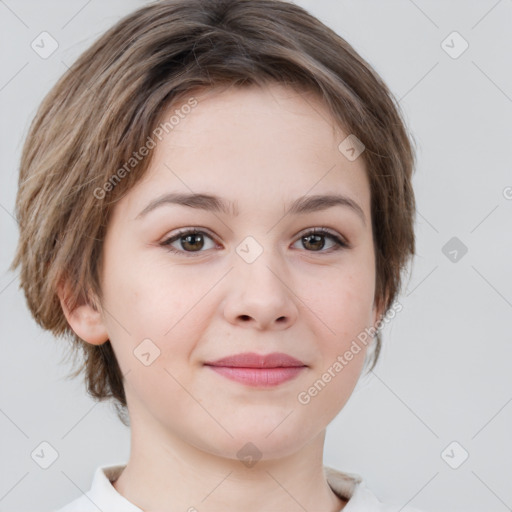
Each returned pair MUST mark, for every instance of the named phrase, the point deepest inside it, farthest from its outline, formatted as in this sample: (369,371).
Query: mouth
(258,370)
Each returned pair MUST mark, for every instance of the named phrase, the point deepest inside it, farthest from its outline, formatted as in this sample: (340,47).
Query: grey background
(444,374)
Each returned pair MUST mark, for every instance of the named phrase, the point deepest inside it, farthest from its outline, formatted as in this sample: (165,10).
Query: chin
(252,443)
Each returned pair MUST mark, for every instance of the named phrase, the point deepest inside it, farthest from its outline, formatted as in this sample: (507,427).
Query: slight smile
(260,370)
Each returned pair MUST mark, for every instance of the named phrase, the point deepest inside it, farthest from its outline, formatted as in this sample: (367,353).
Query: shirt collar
(345,485)
(104,495)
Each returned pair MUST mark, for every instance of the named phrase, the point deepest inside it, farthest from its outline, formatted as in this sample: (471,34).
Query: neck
(174,475)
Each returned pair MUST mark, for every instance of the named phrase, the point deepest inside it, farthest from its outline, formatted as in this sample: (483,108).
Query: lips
(258,370)
(252,360)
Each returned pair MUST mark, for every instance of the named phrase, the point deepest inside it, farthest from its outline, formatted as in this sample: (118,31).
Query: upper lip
(253,360)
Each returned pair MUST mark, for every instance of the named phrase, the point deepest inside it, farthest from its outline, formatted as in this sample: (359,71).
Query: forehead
(255,116)
(254,146)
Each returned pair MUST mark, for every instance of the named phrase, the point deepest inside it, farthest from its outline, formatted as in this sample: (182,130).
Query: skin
(261,147)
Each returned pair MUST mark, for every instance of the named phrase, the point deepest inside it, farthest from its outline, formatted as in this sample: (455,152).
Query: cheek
(343,305)
(146,292)
(147,300)
(152,330)
(330,386)
(342,299)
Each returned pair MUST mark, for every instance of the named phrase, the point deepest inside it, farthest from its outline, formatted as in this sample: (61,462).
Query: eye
(315,240)
(191,240)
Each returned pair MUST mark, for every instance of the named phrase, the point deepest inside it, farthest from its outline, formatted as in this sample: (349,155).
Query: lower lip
(263,377)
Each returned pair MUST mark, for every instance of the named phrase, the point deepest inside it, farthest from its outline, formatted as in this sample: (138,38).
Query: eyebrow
(208,202)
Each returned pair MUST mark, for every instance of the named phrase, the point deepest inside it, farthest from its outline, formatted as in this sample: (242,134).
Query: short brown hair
(113,97)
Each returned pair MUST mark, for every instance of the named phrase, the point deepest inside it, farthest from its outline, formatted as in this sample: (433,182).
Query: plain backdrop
(443,388)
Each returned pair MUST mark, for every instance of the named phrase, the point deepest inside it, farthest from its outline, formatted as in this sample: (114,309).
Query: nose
(260,294)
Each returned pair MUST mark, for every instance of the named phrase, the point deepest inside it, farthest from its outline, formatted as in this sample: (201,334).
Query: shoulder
(102,495)
(360,498)
(364,500)
(82,504)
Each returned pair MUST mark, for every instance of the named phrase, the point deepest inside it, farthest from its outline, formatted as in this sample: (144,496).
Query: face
(253,278)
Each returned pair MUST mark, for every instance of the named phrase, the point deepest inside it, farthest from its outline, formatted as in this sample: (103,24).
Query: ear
(85,319)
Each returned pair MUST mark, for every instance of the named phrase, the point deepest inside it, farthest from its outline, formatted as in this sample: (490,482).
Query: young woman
(215,207)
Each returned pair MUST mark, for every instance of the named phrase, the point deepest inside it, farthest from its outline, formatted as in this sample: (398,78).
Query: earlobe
(85,320)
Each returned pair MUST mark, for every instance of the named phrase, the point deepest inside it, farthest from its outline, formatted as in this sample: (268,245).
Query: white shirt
(103,496)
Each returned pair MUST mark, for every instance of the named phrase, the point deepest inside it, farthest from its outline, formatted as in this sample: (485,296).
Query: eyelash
(340,243)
